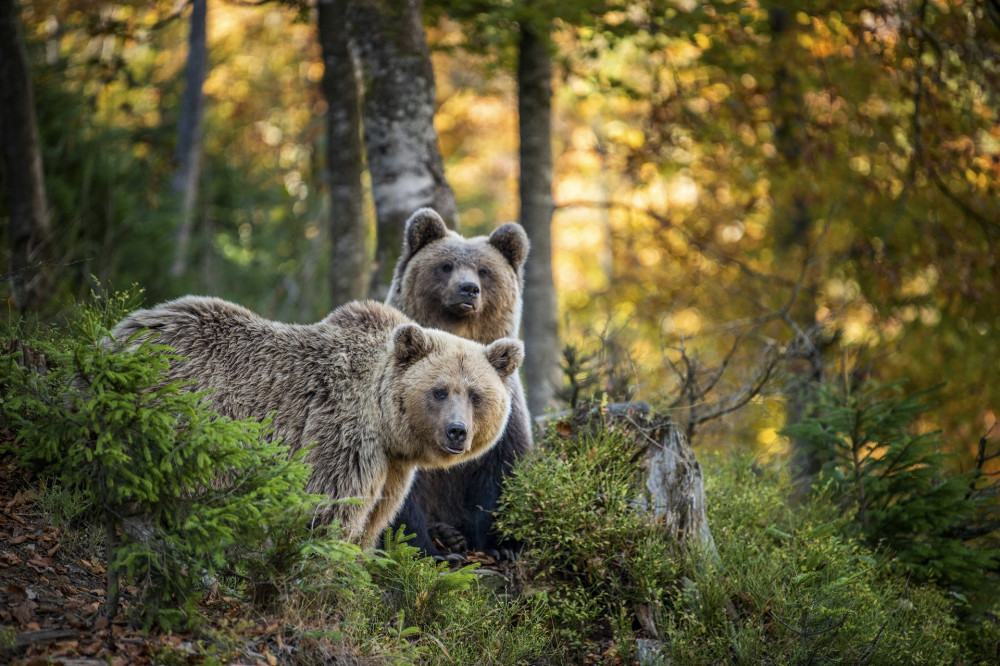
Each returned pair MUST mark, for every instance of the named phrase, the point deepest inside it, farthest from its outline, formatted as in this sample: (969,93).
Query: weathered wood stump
(673,478)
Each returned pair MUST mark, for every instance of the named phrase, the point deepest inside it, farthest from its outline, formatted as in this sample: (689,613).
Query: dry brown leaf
(22,612)
(10,559)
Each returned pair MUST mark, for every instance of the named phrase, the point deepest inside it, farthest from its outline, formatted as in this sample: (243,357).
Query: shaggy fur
(470,287)
(379,394)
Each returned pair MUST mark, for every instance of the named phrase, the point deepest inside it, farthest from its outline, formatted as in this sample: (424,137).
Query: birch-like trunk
(185,181)
(541,337)
(400,140)
(26,199)
(348,226)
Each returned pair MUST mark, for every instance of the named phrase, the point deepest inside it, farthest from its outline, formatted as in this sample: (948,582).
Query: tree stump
(674,485)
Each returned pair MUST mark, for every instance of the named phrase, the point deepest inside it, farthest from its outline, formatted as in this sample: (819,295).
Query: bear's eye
(484,273)
(439,394)
(476,399)
(446,267)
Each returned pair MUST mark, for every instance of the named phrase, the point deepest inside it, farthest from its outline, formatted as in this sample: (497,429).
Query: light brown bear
(470,287)
(379,394)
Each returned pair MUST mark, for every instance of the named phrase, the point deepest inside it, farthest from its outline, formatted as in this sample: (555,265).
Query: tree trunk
(806,366)
(26,199)
(403,156)
(185,181)
(348,226)
(541,338)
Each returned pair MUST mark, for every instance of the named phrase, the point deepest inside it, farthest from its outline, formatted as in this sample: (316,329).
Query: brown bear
(377,393)
(470,287)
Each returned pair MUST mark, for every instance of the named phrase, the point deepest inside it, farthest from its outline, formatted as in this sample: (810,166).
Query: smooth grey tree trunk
(348,227)
(541,336)
(398,117)
(26,198)
(185,180)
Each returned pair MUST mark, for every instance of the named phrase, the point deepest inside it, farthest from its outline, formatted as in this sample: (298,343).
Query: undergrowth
(601,581)
(793,583)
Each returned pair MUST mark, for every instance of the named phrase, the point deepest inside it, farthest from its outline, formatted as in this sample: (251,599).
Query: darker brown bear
(377,393)
(470,287)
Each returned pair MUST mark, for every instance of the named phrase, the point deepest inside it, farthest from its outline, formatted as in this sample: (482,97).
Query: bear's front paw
(446,537)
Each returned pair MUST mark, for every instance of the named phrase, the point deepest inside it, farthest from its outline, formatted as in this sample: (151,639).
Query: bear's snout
(456,433)
(464,292)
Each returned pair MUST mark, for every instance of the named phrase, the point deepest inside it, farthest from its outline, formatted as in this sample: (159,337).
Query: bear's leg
(398,480)
(411,517)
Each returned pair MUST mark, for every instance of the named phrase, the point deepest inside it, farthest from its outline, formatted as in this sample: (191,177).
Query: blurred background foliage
(735,182)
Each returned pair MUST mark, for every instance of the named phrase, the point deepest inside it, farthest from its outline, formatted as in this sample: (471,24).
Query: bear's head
(450,394)
(467,286)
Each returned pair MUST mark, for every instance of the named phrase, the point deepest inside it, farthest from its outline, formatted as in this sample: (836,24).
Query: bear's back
(253,366)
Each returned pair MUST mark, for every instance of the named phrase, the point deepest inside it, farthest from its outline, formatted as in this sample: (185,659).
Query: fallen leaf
(40,563)
(64,648)
(10,559)
(22,612)
(19,539)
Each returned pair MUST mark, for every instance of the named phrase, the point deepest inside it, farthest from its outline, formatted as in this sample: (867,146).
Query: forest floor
(52,590)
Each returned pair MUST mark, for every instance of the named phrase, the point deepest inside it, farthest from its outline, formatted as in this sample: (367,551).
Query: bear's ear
(512,243)
(505,355)
(424,226)
(410,344)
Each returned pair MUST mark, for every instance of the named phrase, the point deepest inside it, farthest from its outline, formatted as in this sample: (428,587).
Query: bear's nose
(468,289)
(456,433)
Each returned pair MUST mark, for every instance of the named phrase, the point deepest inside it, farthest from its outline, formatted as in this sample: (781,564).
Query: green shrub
(181,492)
(576,504)
(421,610)
(900,486)
(794,587)
(792,584)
